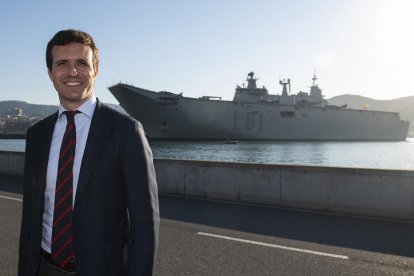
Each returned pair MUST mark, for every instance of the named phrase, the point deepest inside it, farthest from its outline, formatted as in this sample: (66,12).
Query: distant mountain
(404,106)
(36,110)
(30,110)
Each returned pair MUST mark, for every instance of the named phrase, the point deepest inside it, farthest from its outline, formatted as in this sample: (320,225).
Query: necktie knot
(70,115)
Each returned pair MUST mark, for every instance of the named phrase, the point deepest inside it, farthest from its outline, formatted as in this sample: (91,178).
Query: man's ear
(50,74)
(96,71)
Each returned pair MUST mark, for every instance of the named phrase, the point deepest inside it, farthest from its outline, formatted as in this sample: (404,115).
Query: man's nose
(73,71)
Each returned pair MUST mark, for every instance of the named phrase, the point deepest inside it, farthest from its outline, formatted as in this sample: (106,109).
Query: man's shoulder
(45,122)
(118,117)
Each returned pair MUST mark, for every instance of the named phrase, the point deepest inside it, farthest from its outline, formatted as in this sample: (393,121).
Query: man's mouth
(73,83)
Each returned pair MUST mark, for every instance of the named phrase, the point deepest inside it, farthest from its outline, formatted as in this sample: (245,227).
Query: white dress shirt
(82,123)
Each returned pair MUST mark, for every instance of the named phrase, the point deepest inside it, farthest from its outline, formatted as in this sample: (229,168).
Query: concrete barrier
(369,192)
(11,163)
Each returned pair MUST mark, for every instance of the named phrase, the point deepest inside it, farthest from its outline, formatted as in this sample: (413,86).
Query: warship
(255,114)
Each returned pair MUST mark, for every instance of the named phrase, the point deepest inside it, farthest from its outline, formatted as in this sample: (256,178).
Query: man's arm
(142,194)
(27,203)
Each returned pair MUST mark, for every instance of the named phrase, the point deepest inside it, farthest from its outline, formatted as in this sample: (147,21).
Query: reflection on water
(392,155)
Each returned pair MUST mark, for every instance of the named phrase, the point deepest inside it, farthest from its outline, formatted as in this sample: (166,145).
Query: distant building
(15,121)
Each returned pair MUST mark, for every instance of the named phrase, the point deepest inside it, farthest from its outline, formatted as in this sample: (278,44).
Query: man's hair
(66,37)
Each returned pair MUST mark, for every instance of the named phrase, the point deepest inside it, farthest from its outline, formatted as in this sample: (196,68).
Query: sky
(206,48)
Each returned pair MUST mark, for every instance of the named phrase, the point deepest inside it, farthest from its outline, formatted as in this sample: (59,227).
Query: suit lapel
(99,129)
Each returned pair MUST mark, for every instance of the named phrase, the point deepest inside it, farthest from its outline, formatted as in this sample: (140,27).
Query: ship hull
(188,118)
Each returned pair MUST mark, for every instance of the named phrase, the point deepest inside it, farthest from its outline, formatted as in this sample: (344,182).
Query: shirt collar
(86,108)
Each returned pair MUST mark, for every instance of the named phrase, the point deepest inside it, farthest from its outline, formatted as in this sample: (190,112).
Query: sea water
(384,155)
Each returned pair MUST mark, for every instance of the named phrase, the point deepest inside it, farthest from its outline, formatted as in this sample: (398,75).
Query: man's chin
(75,99)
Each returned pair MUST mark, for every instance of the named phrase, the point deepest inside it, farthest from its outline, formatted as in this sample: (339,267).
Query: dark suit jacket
(115,214)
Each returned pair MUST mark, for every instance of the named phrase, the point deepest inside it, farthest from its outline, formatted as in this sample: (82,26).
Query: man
(90,204)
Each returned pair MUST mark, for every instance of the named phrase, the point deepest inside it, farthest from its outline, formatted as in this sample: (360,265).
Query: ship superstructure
(252,93)
(256,114)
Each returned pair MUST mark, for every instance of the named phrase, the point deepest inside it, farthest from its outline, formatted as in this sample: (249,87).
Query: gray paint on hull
(189,118)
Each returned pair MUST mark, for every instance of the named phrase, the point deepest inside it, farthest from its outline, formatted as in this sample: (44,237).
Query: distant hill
(37,110)
(31,110)
(404,106)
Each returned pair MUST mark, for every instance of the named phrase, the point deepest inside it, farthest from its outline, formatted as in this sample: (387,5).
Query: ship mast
(314,78)
(315,91)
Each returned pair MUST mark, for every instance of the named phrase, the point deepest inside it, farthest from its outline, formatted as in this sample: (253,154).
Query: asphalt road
(201,237)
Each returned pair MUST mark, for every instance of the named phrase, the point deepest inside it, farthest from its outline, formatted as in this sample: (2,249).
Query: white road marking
(276,246)
(11,198)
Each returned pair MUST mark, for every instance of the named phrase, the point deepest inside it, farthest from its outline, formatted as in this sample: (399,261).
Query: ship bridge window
(287,114)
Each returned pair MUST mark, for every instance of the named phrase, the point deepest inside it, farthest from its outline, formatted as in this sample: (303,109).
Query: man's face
(73,74)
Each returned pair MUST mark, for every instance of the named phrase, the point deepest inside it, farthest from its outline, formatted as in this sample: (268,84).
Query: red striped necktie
(62,248)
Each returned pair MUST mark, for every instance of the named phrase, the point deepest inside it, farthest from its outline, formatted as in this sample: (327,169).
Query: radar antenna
(251,81)
(285,83)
